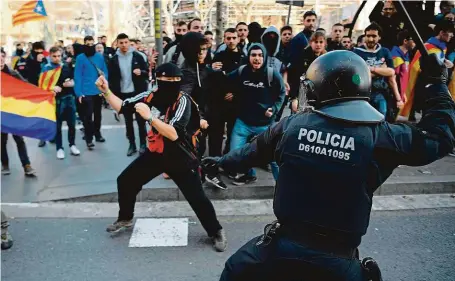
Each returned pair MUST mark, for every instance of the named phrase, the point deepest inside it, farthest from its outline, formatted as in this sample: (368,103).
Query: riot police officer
(332,157)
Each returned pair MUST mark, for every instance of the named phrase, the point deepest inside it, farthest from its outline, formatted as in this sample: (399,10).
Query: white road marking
(222,207)
(103,127)
(160,233)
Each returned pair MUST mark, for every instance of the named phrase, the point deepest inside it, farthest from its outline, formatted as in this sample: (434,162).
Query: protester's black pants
(149,165)
(128,113)
(216,133)
(92,116)
(21,149)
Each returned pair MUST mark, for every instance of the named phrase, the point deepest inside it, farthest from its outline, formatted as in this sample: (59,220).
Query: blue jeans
(285,258)
(379,102)
(241,134)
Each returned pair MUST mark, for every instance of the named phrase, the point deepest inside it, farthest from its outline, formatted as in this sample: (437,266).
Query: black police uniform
(332,158)
(177,158)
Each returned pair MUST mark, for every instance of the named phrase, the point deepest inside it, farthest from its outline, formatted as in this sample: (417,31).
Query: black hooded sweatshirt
(195,75)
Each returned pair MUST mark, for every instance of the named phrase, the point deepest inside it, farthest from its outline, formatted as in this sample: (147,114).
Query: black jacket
(298,68)
(33,68)
(140,82)
(333,46)
(326,186)
(66,74)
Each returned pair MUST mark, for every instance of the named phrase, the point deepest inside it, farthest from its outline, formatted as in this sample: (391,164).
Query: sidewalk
(92,176)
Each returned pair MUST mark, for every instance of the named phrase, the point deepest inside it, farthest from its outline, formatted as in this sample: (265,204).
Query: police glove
(433,69)
(210,165)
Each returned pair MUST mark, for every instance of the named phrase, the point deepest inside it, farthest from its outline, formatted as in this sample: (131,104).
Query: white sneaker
(74,150)
(60,154)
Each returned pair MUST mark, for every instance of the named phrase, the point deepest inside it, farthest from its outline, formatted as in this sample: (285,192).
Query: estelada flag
(50,73)
(27,110)
(434,46)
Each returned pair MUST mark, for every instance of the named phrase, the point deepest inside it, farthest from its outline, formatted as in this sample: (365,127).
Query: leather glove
(433,69)
(210,165)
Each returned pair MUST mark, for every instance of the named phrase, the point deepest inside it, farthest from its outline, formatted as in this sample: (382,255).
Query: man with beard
(170,150)
(300,41)
(379,59)
(180,30)
(347,43)
(109,51)
(88,67)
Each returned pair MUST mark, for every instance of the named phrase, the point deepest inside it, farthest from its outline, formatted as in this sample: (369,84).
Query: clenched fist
(143,110)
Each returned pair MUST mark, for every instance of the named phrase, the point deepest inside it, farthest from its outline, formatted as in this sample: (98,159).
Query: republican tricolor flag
(27,110)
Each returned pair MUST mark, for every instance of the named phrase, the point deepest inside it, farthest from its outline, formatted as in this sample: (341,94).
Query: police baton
(419,42)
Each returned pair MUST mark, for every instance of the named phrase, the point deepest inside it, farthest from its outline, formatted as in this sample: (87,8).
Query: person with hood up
(195,72)
(128,77)
(170,150)
(258,100)
(271,40)
(89,64)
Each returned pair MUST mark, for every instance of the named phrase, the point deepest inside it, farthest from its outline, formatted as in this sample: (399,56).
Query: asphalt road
(409,245)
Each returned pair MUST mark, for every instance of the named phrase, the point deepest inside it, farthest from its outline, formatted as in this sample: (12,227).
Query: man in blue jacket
(88,65)
(260,92)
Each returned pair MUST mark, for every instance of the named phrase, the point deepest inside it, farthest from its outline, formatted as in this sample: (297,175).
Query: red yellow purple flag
(414,71)
(27,110)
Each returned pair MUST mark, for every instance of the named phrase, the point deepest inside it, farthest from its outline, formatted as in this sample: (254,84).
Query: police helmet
(168,70)
(338,76)
(338,83)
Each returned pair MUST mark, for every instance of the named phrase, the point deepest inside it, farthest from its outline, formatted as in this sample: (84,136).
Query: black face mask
(19,52)
(89,51)
(178,37)
(166,95)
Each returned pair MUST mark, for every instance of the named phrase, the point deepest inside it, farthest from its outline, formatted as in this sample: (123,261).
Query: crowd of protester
(242,85)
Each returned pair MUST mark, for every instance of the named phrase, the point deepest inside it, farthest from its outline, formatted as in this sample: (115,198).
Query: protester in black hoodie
(258,99)
(34,62)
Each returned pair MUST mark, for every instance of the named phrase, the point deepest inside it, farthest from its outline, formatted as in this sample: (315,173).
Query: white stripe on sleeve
(180,110)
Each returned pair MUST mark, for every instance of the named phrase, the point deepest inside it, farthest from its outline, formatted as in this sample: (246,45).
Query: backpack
(269,73)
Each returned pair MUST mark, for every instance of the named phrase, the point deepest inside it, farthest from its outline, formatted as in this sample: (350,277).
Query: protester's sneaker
(60,154)
(119,225)
(5,170)
(41,143)
(7,240)
(220,241)
(29,171)
(100,139)
(131,150)
(452,153)
(216,181)
(245,179)
(142,149)
(74,150)
(90,145)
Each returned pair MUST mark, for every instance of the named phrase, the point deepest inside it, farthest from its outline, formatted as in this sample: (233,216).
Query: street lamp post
(158,32)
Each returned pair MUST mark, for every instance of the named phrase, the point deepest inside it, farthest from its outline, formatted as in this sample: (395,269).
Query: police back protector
(323,178)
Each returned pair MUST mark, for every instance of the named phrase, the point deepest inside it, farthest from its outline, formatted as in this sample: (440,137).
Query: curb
(394,186)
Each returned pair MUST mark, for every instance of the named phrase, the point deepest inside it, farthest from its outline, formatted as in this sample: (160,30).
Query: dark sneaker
(119,225)
(452,153)
(7,240)
(41,143)
(245,179)
(216,181)
(29,171)
(6,170)
(142,149)
(100,139)
(52,141)
(116,116)
(131,150)
(90,145)
(220,241)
